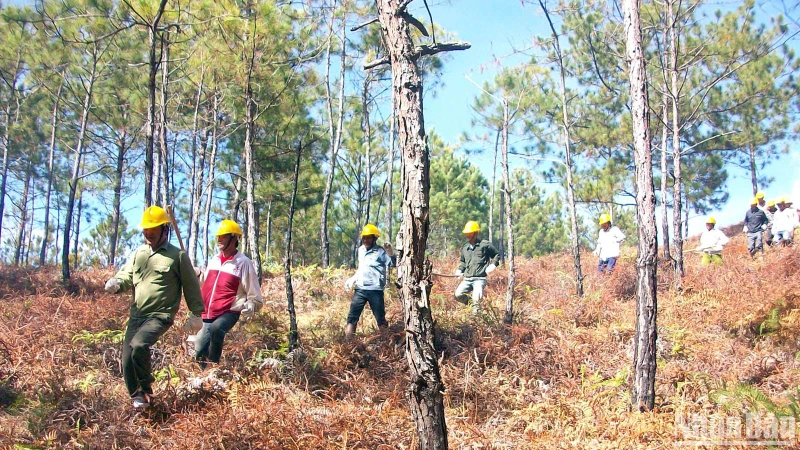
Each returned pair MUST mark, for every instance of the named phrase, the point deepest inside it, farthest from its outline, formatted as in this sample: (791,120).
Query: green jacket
(474,259)
(157,278)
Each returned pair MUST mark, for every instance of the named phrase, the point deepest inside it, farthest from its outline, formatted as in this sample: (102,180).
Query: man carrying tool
(158,272)
(369,280)
(478,259)
(230,290)
(755,222)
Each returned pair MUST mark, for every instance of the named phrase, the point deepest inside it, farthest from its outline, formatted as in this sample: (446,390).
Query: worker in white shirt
(784,222)
(711,243)
(608,242)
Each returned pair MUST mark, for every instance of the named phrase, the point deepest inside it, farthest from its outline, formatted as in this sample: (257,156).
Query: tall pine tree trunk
(426,387)
(509,313)
(334,134)
(119,175)
(664,177)
(50,172)
(644,362)
(76,168)
(367,129)
(212,165)
(166,167)
(249,154)
(5,138)
(677,187)
(150,180)
(23,214)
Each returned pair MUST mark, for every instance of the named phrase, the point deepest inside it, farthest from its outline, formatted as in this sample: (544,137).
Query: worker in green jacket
(158,272)
(478,258)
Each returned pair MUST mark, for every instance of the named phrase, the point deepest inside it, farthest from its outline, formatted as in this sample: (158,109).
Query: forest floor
(559,377)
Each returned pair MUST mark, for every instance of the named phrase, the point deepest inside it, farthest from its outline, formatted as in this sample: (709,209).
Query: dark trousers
(208,346)
(375,300)
(140,335)
(606,265)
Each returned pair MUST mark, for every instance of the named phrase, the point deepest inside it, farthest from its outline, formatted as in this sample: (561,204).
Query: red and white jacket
(228,285)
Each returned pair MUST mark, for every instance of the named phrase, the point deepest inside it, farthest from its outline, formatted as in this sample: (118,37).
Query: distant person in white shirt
(607,245)
(711,243)
(784,222)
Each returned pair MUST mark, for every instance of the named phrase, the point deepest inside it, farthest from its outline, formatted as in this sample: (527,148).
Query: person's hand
(194,324)
(248,311)
(113,285)
(388,248)
(490,268)
(198,272)
(349,283)
(458,273)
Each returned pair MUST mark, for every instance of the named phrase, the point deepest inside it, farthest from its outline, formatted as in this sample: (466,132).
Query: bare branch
(417,24)
(360,26)
(426,50)
(376,63)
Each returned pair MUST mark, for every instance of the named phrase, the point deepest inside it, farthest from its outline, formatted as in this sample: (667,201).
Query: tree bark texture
(677,187)
(50,174)
(664,177)
(119,174)
(212,165)
(153,63)
(425,393)
(508,317)
(644,362)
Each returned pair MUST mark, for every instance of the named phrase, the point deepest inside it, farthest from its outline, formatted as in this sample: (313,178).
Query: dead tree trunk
(644,362)
(335,135)
(426,387)
(287,260)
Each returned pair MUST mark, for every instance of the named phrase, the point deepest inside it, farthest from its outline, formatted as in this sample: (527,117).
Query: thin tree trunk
(249,153)
(677,187)
(426,387)
(753,170)
(50,174)
(334,135)
(664,177)
(494,185)
(390,174)
(644,362)
(76,236)
(76,167)
(29,233)
(23,215)
(198,167)
(212,165)
(576,250)
(367,146)
(119,175)
(5,137)
(166,166)
(287,261)
(149,176)
(509,314)
(267,254)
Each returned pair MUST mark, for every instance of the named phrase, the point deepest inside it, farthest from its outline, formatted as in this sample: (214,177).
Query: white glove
(458,273)
(249,310)
(193,325)
(388,248)
(349,283)
(113,285)
(490,268)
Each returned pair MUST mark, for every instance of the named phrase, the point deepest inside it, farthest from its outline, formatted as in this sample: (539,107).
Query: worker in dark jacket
(478,258)
(755,222)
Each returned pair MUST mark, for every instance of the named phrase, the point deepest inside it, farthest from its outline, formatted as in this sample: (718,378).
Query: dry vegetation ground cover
(557,378)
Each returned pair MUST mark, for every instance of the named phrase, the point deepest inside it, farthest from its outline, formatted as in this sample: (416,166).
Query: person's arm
(190,285)
(251,286)
(462,263)
(125,274)
(620,236)
(494,255)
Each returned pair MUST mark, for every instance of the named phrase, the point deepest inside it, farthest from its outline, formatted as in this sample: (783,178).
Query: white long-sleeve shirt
(712,241)
(785,220)
(608,243)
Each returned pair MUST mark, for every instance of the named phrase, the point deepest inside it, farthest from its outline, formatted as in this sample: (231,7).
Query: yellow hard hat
(229,227)
(711,219)
(770,203)
(370,230)
(154,216)
(604,218)
(471,227)
(760,194)
(754,201)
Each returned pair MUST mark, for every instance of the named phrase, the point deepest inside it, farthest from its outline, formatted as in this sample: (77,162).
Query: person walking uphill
(157,272)
(755,222)
(711,243)
(230,291)
(369,280)
(478,259)
(608,241)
